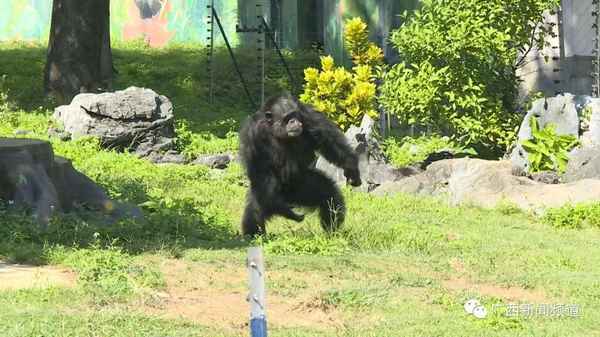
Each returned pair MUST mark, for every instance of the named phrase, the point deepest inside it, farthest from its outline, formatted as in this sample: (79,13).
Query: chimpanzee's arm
(332,143)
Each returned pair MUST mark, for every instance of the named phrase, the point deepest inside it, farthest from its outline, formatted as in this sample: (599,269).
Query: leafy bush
(548,151)
(344,96)
(458,73)
(314,245)
(573,216)
(192,144)
(408,150)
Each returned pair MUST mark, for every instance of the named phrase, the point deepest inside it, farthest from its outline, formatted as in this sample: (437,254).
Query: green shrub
(573,216)
(192,144)
(458,69)
(313,245)
(548,151)
(344,96)
(410,150)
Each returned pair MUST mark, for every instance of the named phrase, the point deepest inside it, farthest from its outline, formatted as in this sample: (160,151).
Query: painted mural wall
(299,22)
(156,21)
(25,19)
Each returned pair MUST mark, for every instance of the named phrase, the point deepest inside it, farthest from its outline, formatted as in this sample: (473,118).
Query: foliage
(547,150)
(410,150)
(344,96)
(191,144)
(356,39)
(573,216)
(586,117)
(314,245)
(457,73)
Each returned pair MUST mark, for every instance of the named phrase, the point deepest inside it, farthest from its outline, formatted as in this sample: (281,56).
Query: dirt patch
(214,297)
(15,276)
(457,265)
(516,294)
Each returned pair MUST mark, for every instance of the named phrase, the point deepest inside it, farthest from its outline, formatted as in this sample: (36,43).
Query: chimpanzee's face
(286,119)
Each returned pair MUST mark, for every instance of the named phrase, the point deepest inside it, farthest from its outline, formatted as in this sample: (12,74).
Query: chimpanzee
(277,147)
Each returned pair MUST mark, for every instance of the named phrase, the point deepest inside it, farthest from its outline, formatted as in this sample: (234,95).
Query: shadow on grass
(180,72)
(170,230)
(22,64)
(183,208)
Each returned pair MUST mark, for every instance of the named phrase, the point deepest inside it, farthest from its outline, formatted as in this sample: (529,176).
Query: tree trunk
(79,54)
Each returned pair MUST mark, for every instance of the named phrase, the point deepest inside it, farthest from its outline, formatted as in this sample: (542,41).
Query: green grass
(388,272)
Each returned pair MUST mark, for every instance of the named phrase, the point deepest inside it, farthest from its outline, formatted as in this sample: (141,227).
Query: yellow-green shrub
(346,96)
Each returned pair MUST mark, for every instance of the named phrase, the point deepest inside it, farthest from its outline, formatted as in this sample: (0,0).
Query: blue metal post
(256,273)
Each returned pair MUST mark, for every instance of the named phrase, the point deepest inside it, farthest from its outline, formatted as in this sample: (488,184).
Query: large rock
(584,163)
(32,177)
(374,169)
(216,161)
(487,183)
(591,136)
(136,119)
(562,111)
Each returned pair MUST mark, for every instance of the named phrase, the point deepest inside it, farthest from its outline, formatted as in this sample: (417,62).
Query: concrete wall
(566,65)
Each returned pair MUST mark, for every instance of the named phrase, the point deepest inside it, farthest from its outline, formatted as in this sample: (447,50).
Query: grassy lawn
(401,266)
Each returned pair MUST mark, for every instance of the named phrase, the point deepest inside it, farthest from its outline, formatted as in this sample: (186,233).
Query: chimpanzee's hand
(353,176)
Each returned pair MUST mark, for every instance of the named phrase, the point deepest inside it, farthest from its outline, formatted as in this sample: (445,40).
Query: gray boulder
(584,163)
(135,119)
(546,177)
(217,161)
(169,157)
(487,183)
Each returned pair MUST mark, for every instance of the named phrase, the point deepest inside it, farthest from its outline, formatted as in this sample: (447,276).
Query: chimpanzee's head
(284,114)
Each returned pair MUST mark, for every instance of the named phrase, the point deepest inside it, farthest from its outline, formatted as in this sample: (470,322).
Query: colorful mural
(156,21)
(25,20)
(299,22)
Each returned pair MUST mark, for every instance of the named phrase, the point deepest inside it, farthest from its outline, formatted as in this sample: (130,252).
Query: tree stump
(31,176)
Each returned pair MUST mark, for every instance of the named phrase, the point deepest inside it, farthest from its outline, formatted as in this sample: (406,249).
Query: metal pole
(269,32)
(211,53)
(256,297)
(235,64)
(596,50)
(559,88)
(261,50)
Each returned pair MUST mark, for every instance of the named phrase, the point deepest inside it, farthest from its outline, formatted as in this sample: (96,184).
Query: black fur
(281,167)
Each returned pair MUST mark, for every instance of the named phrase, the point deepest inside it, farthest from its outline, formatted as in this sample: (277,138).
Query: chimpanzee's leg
(315,189)
(253,221)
